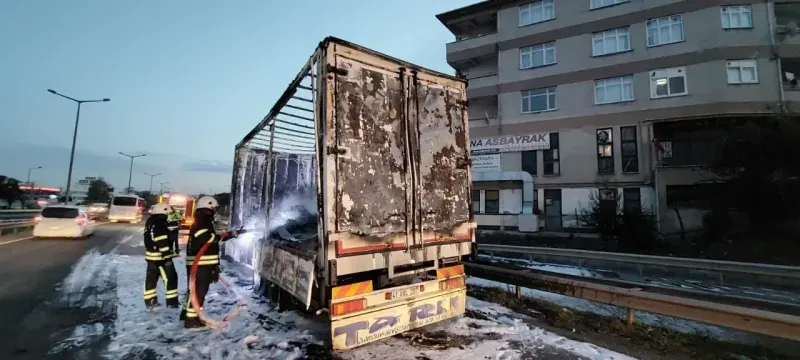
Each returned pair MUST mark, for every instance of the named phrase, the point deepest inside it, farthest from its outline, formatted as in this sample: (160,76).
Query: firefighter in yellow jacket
(158,251)
(201,233)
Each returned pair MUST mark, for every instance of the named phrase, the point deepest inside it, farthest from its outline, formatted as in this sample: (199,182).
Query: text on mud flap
(383,326)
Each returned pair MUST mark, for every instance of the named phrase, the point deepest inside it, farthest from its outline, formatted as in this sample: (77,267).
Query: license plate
(397,294)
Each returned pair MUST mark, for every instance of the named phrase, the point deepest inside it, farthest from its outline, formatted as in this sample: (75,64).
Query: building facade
(80,190)
(570,96)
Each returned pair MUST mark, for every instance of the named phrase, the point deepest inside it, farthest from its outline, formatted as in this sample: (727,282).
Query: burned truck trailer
(358,185)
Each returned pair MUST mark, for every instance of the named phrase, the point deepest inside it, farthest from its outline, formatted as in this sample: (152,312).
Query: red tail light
(452,283)
(349,306)
(80,221)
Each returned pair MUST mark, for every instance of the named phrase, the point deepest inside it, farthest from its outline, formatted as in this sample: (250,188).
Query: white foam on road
(502,334)
(160,332)
(676,324)
(262,332)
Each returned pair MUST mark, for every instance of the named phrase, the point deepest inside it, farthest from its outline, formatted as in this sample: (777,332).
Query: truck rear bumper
(391,311)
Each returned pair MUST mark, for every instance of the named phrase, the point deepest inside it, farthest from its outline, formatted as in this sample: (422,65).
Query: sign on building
(483,163)
(510,143)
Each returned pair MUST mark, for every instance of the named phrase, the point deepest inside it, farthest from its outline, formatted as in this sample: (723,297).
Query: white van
(126,208)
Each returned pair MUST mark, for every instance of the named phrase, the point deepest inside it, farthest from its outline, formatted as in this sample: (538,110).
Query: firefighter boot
(151,304)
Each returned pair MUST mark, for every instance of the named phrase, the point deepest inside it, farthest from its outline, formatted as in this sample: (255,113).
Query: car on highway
(63,221)
(98,210)
(126,208)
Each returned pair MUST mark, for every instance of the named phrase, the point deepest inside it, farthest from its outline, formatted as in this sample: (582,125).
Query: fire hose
(242,302)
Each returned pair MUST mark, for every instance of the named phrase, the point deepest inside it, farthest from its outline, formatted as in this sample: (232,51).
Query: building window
(538,100)
(552,164)
(608,204)
(668,82)
(596,4)
(630,152)
(529,162)
(476,201)
(537,55)
(611,41)
(492,203)
(536,12)
(631,199)
(742,72)
(737,17)
(613,90)
(665,30)
(605,151)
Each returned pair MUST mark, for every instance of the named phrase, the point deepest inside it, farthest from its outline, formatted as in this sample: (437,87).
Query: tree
(9,189)
(759,162)
(148,197)
(224,199)
(631,229)
(99,192)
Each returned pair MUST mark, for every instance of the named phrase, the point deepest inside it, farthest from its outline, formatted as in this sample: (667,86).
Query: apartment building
(570,96)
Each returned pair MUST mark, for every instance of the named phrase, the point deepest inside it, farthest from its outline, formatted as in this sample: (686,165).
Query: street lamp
(29,174)
(74,136)
(151,181)
(130,172)
(161,190)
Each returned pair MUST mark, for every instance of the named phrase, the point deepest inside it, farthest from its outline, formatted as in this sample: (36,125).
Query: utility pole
(130,173)
(74,136)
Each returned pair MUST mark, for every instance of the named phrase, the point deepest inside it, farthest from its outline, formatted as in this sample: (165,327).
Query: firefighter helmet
(207,202)
(161,208)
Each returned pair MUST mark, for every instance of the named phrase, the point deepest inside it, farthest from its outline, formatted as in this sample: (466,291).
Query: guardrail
(746,319)
(15,226)
(767,273)
(19,214)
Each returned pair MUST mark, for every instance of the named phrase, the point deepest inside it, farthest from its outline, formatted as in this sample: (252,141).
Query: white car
(63,221)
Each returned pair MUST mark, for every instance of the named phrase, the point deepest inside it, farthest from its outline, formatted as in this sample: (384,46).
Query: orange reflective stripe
(358,288)
(449,272)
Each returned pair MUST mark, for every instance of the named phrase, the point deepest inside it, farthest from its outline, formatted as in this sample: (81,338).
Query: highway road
(33,313)
(82,299)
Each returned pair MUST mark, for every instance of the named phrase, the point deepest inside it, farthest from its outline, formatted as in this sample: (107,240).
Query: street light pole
(29,174)
(161,190)
(151,181)
(74,136)
(130,173)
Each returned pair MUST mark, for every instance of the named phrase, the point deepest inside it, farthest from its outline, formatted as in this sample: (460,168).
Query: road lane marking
(13,241)
(31,237)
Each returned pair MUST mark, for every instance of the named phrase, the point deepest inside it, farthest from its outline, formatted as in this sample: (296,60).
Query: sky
(187,79)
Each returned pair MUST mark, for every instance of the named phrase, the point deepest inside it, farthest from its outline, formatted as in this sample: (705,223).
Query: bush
(619,229)
(716,225)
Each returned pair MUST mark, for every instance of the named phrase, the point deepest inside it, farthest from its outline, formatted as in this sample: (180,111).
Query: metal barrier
(26,214)
(767,270)
(746,319)
(15,226)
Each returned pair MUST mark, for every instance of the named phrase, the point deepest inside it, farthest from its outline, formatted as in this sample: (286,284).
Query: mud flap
(395,317)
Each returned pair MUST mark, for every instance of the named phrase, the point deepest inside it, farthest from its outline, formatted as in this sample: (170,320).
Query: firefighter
(202,232)
(174,226)
(158,251)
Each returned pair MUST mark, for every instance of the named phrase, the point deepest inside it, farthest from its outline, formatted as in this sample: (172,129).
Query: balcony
(790,68)
(787,19)
(484,81)
(463,50)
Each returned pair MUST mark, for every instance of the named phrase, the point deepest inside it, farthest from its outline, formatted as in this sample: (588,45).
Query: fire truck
(184,204)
